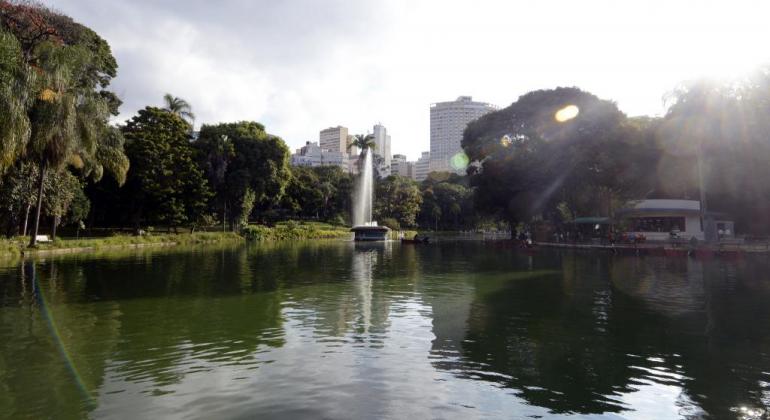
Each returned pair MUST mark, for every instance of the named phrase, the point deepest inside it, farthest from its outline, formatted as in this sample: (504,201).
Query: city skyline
(246,61)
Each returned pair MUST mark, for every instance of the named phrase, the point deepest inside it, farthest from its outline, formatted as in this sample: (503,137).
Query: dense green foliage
(295,231)
(55,106)
(397,198)
(447,202)
(322,193)
(165,185)
(242,157)
(531,164)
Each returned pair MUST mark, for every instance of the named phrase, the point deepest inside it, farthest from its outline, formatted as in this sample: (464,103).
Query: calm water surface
(344,331)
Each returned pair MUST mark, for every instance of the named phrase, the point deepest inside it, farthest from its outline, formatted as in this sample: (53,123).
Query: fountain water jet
(364,227)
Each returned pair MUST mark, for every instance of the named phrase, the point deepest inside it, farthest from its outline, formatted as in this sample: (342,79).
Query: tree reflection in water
(584,341)
(386,327)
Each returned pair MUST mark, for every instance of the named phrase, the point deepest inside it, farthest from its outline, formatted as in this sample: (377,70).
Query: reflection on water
(344,330)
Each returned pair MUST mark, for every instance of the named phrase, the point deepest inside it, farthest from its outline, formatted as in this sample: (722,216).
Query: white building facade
(311,154)
(447,123)
(422,167)
(657,219)
(399,166)
(382,148)
(334,139)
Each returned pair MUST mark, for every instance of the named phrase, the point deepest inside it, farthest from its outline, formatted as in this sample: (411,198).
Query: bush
(292,230)
(391,223)
(256,232)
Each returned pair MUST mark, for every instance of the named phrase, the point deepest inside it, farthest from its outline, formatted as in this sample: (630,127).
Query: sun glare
(567,113)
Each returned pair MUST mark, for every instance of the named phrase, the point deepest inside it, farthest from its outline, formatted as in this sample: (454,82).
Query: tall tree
(16,80)
(398,198)
(363,142)
(529,160)
(17,196)
(242,156)
(164,183)
(318,192)
(67,106)
(721,128)
(179,107)
(448,196)
(61,188)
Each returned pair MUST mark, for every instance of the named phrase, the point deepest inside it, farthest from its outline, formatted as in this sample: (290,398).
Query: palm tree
(362,142)
(179,107)
(15,87)
(69,123)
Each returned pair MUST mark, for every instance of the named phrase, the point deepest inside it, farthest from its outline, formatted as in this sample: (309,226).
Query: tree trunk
(41,178)
(53,229)
(26,219)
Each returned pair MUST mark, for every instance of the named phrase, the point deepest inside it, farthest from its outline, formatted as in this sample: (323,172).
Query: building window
(657,224)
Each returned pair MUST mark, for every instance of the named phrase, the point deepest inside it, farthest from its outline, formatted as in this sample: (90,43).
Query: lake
(338,330)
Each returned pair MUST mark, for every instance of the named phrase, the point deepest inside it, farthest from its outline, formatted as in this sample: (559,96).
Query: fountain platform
(370,233)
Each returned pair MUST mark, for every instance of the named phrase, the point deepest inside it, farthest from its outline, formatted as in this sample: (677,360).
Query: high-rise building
(447,123)
(422,167)
(399,166)
(334,139)
(382,148)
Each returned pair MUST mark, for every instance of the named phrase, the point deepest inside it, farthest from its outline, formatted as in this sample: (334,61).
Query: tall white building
(382,148)
(334,139)
(422,167)
(447,123)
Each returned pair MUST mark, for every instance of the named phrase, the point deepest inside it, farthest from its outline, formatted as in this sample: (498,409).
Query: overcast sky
(302,65)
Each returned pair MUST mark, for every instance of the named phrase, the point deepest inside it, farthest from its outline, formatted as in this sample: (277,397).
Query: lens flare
(567,113)
(459,161)
(45,311)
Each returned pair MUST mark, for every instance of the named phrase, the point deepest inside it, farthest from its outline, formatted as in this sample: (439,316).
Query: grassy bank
(291,230)
(295,231)
(18,245)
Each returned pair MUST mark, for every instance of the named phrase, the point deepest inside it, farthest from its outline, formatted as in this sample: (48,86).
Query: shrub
(391,223)
(256,232)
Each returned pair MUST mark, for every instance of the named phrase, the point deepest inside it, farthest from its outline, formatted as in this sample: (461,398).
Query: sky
(299,66)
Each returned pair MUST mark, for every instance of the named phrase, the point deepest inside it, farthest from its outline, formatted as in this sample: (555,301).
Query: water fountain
(364,228)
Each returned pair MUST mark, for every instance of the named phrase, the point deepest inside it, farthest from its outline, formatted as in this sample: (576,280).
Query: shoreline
(284,231)
(17,248)
(662,248)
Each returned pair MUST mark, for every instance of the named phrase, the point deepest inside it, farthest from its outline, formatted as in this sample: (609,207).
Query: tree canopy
(242,156)
(397,198)
(528,162)
(725,125)
(164,184)
(53,78)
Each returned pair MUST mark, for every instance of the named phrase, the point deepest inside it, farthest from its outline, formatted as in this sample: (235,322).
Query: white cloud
(300,65)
